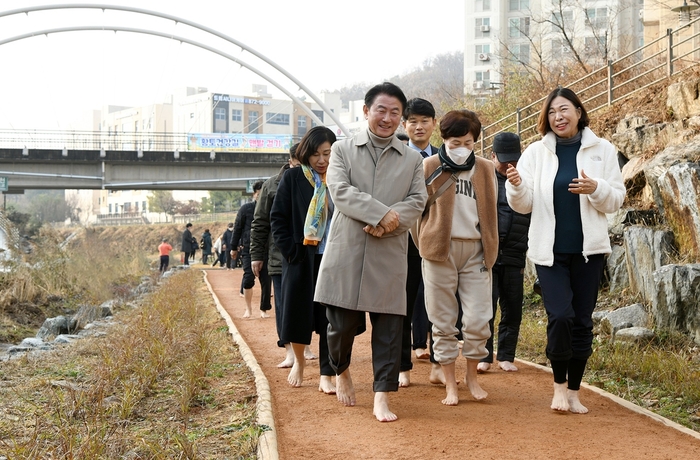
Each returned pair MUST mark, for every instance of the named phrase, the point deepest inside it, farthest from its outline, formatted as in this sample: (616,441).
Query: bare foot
(422,353)
(381,407)
(326,385)
(477,392)
(247,313)
(345,389)
(507,366)
(289,359)
(308,354)
(575,405)
(404,379)
(296,375)
(263,314)
(482,367)
(437,376)
(452,397)
(560,401)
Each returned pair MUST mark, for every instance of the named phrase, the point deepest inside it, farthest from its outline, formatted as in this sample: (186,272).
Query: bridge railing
(92,140)
(619,79)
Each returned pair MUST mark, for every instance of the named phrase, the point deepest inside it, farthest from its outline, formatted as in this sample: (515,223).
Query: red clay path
(514,422)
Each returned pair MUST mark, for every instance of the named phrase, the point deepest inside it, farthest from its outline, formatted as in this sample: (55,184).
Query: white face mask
(458,155)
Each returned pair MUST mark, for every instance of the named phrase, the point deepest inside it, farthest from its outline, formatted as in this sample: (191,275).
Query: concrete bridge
(33,159)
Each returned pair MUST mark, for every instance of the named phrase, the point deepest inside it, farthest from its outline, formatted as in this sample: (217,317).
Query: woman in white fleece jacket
(568,181)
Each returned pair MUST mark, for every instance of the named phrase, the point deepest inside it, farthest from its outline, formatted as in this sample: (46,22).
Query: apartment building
(505,36)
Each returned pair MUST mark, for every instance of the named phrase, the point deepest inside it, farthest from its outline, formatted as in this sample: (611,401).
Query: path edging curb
(267,443)
(623,402)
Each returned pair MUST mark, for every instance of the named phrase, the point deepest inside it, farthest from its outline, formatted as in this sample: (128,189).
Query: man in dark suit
(419,123)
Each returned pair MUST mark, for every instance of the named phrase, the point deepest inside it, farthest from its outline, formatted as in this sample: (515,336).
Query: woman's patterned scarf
(317,214)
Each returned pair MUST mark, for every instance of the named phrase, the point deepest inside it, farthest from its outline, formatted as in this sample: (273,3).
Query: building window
(518,5)
(520,53)
(593,46)
(143,206)
(597,18)
(563,21)
(219,114)
(136,206)
(236,115)
(110,208)
(301,124)
(483,27)
(482,80)
(253,121)
(319,114)
(127,206)
(483,5)
(277,118)
(518,27)
(482,53)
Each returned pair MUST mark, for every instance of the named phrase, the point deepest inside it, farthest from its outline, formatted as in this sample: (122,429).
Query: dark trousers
(508,291)
(164,262)
(229,261)
(344,324)
(186,258)
(265,288)
(277,285)
(569,292)
(414,287)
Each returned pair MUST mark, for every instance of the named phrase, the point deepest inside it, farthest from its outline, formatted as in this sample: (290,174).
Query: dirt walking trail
(514,422)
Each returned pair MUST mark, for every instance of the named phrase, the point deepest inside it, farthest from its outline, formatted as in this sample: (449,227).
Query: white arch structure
(195,25)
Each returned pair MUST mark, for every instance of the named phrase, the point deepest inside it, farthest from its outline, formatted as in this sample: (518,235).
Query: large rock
(622,318)
(90,313)
(663,161)
(53,327)
(676,303)
(635,334)
(684,98)
(633,136)
(617,269)
(679,190)
(624,217)
(646,250)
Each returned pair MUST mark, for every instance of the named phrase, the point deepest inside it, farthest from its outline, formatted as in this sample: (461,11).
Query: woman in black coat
(186,245)
(300,219)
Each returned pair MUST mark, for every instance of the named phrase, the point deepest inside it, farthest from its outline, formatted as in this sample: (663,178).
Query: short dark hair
(188,225)
(403,137)
(458,123)
(387,88)
(257,186)
(418,106)
(543,126)
(293,151)
(312,140)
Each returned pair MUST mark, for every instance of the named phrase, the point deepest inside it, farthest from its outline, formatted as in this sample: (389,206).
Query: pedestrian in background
(164,249)
(186,244)
(205,245)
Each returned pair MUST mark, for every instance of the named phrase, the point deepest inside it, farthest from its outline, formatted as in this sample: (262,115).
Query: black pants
(229,262)
(344,324)
(277,285)
(164,262)
(508,291)
(414,287)
(248,281)
(186,258)
(569,292)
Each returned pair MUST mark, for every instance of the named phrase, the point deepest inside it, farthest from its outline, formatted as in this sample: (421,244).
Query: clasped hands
(388,224)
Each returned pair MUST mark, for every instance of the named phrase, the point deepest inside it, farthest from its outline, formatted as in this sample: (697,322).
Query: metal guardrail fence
(92,140)
(616,81)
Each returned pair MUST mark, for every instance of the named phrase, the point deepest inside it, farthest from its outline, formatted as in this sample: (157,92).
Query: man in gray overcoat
(378,189)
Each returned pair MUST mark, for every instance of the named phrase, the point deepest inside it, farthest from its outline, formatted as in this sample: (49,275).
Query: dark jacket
(262,245)
(186,245)
(226,240)
(512,230)
(241,227)
(412,249)
(206,237)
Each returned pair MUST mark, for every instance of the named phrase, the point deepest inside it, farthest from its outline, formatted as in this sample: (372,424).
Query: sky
(50,81)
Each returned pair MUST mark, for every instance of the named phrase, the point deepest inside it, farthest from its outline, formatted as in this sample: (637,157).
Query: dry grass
(165,382)
(662,376)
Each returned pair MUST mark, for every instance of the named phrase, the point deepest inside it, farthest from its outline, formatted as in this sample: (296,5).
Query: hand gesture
(377,231)
(390,221)
(513,175)
(583,185)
